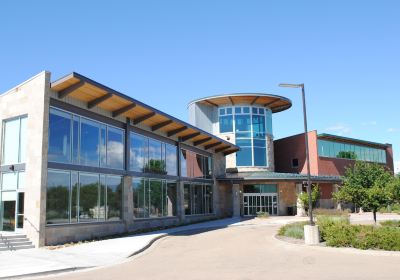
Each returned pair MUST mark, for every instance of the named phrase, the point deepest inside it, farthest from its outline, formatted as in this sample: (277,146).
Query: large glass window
(82,197)
(349,151)
(115,148)
(155,163)
(90,143)
(195,165)
(154,198)
(139,152)
(249,124)
(171,160)
(77,140)
(114,197)
(151,155)
(14,141)
(198,199)
(89,209)
(225,120)
(58,191)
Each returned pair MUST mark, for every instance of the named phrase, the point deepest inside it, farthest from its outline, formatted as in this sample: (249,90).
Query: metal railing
(7,242)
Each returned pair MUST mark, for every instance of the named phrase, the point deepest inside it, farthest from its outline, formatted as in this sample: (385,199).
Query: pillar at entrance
(236,200)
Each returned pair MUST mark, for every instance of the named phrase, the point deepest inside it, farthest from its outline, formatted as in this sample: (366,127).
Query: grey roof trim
(243,94)
(274,176)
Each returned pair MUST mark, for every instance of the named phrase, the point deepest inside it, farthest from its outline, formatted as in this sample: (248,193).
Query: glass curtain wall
(154,198)
(152,156)
(78,197)
(198,199)
(78,140)
(251,126)
(350,151)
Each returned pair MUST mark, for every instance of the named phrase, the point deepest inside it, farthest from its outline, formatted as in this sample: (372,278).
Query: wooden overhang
(275,102)
(94,94)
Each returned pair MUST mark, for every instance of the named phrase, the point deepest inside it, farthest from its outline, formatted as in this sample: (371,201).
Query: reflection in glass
(57,203)
(114,197)
(139,152)
(115,148)
(59,136)
(90,142)
(88,197)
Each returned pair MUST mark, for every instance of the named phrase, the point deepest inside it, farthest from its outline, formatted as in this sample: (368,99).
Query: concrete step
(16,243)
(13,242)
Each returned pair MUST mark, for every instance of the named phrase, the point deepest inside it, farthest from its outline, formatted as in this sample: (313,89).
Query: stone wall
(31,98)
(287,196)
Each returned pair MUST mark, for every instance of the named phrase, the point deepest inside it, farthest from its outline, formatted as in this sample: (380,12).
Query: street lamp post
(307,149)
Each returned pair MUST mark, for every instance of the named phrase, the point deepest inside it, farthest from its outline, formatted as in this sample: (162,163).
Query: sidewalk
(107,252)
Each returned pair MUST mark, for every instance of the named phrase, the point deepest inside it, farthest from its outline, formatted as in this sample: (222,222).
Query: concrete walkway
(107,252)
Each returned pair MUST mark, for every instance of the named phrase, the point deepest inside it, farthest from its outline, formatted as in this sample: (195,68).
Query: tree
(315,193)
(369,186)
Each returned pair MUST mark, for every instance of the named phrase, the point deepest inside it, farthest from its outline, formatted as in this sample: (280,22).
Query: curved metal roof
(275,102)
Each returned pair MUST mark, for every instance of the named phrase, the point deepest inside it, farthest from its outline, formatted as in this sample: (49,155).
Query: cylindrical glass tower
(245,120)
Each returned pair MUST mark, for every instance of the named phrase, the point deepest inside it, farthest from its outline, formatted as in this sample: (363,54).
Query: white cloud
(339,129)
(392,129)
(397,167)
(370,123)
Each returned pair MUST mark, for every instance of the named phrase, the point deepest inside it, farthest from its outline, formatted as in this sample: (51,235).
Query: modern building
(252,179)
(330,155)
(80,160)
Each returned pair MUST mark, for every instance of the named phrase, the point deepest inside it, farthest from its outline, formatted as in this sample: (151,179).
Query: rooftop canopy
(95,94)
(275,102)
(275,176)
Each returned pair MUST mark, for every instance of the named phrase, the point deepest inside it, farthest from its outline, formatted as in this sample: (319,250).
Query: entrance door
(260,202)
(8,216)
(12,211)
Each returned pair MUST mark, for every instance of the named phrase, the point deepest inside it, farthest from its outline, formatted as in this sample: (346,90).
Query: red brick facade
(293,147)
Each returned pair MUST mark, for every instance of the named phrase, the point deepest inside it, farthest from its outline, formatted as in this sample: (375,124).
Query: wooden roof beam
(99,100)
(272,102)
(160,125)
(63,93)
(196,143)
(231,100)
(221,149)
(143,118)
(230,152)
(122,110)
(254,100)
(175,131)
(190,136)
(211,103)
(212,145)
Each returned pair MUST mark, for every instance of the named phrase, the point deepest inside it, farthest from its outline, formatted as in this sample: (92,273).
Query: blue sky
(167,53)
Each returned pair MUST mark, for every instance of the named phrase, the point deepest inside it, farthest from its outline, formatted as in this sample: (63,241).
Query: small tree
(367,185)
(315,193)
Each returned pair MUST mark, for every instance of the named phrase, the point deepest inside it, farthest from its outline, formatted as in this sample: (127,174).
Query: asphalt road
(248,252)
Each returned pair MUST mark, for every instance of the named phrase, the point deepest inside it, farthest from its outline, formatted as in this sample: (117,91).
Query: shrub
(325,222)
(330,212)
(340,235)
(391,223)
(262,215)
(362,236)
(294,230)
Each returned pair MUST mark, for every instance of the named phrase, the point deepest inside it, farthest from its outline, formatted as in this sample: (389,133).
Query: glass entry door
(8,215)
(254,203)
(12,211)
